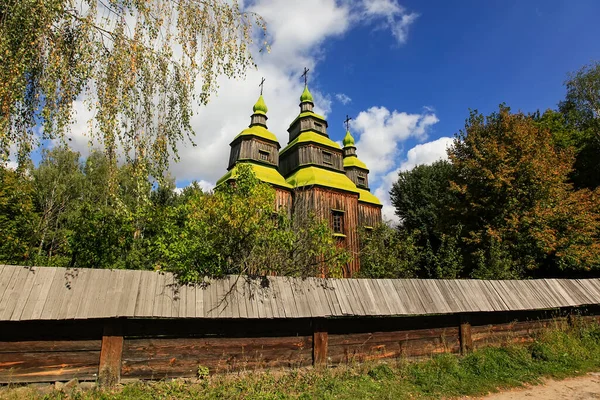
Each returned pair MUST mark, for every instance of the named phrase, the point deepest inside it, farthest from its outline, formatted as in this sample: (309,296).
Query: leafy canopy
(137,63)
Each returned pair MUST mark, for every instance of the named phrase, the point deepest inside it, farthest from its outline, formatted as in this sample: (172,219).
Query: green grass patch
(559,352)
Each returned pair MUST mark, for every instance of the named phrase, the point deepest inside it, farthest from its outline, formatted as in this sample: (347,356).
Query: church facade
(312,173)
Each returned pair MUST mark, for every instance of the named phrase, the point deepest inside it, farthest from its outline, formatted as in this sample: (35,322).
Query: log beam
(320,342)
(466,339)
(109,371)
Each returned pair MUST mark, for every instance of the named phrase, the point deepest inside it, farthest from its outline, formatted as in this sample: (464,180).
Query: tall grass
(558,352)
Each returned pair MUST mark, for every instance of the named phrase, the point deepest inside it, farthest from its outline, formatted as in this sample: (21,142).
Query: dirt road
(581,388)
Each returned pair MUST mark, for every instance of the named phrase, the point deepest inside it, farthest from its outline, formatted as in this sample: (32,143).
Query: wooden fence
(77,324)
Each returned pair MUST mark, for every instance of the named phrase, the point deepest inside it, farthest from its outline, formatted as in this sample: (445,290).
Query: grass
(559,352)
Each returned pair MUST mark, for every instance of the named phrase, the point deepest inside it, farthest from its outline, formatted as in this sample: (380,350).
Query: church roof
(258,131)
(265,173)
(311,175)
(314,137)
(308,114)
(367,197)
(353,161)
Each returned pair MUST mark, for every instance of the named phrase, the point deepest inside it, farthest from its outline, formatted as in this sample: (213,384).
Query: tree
(387,253)
(17,217)
(581,113)
(58,186)
(237,230)
(425,204)
(515,199)
(137,63)
(422,198)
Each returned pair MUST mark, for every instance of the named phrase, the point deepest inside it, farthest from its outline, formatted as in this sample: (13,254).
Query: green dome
(260,107)
(306,96)
(348,140)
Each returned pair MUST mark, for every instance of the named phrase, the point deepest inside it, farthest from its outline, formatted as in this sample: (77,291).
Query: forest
(518,197)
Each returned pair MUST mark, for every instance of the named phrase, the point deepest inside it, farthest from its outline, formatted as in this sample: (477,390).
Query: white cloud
(380,135)
(425,153)
(297,31)
(394,16)
(380,132)
(343,98)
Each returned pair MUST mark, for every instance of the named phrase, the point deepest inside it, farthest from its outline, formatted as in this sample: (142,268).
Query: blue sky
(466,54)
(407,72)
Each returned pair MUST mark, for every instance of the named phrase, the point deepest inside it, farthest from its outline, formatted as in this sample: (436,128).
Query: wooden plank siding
(249,148)
(322,201)
(159,358)
(48,360)
(310,154)
(360,347)
(283,200)
(306,123)
(368,214)
(354,173)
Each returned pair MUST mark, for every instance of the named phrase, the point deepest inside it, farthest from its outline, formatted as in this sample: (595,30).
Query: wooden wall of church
(283,199)
(250,149)
(307,124)
(323,201)
(234,154)
(368,214)
(310,154)
(354,173)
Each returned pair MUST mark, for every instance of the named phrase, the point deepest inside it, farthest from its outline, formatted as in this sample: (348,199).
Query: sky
(407,72)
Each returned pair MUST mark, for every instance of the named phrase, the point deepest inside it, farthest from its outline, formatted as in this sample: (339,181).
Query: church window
(318,127)
(327,158)
(264,155)
(337,218)
(362,181)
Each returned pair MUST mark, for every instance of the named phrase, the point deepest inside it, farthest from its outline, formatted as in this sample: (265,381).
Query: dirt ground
(581,388)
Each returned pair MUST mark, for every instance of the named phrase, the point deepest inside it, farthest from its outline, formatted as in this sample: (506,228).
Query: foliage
(237,230)
(58,183)
(418,196)
(515,199)
(17,217)
(64,213)
(581,113)
(558,353)
(425,204)
(385,253)
(137,63)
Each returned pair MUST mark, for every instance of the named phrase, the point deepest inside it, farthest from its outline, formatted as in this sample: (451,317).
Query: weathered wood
(182,365)
(48,366)
(392,336)
(379,345)
(466,340)
(165,346)
(147,358)
(36,346)
(109,370)
(320,343)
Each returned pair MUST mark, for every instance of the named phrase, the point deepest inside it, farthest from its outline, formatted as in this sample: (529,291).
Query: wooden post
(320,339)
(109,370)
(466,340)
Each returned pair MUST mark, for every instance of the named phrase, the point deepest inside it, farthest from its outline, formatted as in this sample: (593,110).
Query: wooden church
(311,173)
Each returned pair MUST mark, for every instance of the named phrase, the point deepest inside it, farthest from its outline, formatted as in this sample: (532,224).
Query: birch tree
(136,62)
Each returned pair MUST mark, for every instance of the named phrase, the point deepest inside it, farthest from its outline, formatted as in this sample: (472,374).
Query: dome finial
(260,107)
(348,140)
(306,96)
